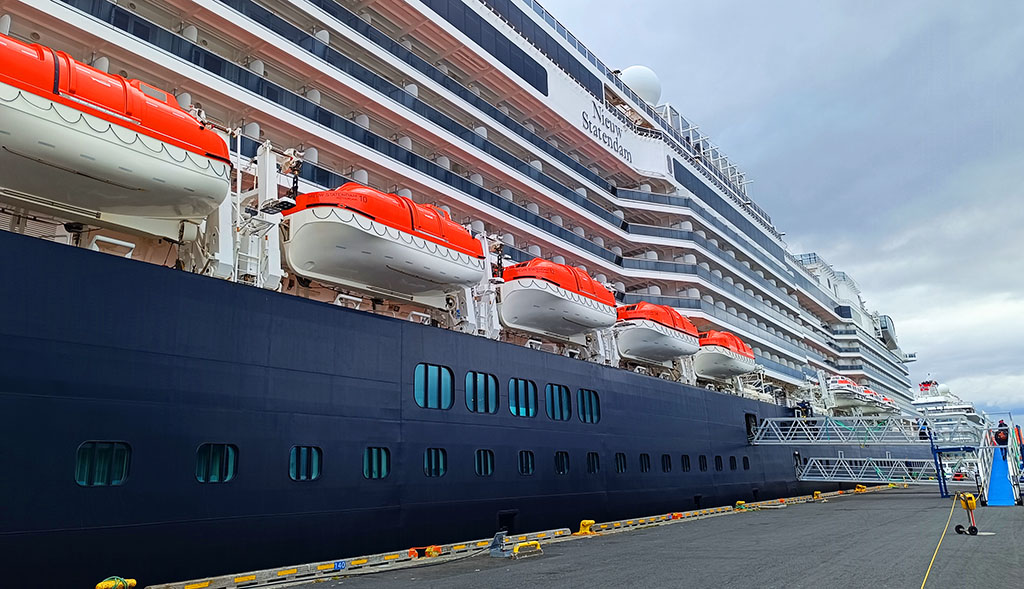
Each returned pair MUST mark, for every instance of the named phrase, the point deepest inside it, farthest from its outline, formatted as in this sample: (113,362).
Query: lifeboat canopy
(662,314)
(562,275)
(727,340)
(544,297)
(654,333)
(722,355)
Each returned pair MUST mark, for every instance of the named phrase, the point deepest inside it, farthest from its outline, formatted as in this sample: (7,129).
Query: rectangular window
(666,463)
(216,463)
(732,463)
(746,463)
(703,463)
(102,464)
(559,404)
(526,462)
(593,463)
(685,462)
(432,386)
(376,462)
(435,462)
(588,404)
(561,462)
(718,463)
(484,463)
(304,463)
(645,462)
(522,397)
(620,462)
(481,392)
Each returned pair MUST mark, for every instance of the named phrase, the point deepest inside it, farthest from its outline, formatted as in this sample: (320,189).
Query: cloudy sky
(886,136)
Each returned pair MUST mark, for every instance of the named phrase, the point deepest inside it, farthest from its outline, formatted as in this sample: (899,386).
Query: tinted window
(593,463)
(732,463)
(685,462)
(666,463)
(645,462)
(703,463)
(484,463)
(433,386)
(522,397)
(562,462)
(746,463)
(102,464)
(435,462)
(481,392)
(216,463)
(718,463)
(376,462)
(304,463)
(559,405)
(588,404)
(620,462)
(526,462)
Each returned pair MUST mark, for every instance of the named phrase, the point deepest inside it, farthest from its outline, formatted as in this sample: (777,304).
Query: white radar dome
(943,389)
(642,80)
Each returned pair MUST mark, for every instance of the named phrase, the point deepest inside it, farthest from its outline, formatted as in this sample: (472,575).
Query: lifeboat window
(102,464)
(561,462)
(684,461)
(746,463)
(593,463)
(666,463)
(522,397)
(376,462)
(433,386)
(703,463)
(588,404)
(481,392)
(304,463)
(620,462)
(558,402)
(435,462)
(484,463)
(216,463)
(718,463)
(153,92)
(526,462)
(732,463)
(645,462)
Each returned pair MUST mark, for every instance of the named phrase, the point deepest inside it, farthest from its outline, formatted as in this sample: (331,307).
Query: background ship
(501,192)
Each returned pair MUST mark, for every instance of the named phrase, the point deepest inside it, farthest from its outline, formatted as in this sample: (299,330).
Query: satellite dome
(642,80)
(943,389)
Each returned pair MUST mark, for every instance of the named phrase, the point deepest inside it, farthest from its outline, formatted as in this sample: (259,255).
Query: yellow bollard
(585,528)
(115,583)
(817,495)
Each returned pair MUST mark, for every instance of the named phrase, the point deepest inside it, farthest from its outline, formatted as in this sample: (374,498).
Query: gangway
(869,470)
(946,431)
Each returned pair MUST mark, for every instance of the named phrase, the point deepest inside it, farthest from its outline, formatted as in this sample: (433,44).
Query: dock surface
(881,539)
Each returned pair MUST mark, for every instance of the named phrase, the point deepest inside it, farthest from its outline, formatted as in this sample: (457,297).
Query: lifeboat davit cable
(357,236)
(95,141)
(544,297)
(654,333)
(722,355)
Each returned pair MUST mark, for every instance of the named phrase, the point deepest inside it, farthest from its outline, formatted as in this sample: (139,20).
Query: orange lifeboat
(654,333)
(544,297)
(361,237)
(89,139)
(722,355)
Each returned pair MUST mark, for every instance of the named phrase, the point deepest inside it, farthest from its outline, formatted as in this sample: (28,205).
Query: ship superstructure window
(703,463)
(593,463)
(620,462)
(484,463)
(216,463)
(718,463)
(527,464)
(522,397)
(558,402)
(481,392)
(684,462)
(588,404)
(102,464)
(435,462)
(732,463)
(562,462)
(645,462)
(666,463)
(376,462)
(304,463)
(746,463)
(433,386)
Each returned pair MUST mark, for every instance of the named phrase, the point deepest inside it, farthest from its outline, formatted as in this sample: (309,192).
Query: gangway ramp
(861,431)
(869,470)
(1000,489)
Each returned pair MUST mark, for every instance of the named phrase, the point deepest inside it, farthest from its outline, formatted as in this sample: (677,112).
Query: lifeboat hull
(651,341)
(339,246)
(539,306)
(76,159)
(720,362)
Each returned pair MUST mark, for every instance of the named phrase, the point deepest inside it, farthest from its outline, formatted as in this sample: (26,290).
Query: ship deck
(883,539)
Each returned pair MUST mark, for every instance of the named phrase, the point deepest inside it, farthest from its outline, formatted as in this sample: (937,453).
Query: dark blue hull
(97,348)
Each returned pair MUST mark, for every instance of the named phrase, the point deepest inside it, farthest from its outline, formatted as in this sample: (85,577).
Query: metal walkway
(949,431)
(869,470)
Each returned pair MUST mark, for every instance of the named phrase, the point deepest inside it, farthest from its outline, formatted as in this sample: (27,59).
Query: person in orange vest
(1002,436)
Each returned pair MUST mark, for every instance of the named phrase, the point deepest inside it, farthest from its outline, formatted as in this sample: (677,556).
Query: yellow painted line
(391,556)
(325,567)
(287,572)
(203,584)
(241,579)
(359,561)
(458,547)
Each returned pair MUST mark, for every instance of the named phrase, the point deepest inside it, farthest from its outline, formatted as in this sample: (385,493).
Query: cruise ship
(258,253)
